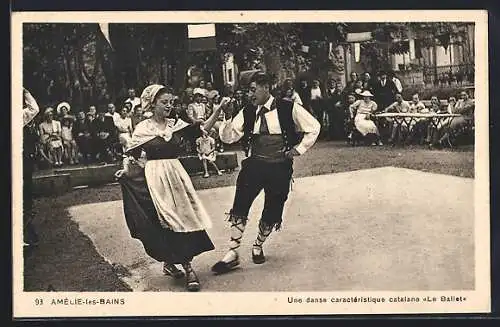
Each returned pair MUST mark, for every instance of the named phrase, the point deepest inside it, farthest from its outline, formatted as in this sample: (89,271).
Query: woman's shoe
(192,281)
(206,176)
(172,271)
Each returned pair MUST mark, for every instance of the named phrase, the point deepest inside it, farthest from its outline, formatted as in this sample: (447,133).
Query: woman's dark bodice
(158,148)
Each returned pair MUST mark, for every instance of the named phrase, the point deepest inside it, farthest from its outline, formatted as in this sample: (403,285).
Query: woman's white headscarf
(145,130)
(148,96)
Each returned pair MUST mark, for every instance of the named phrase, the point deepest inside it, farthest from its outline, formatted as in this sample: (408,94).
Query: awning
(201,37)
(359,37)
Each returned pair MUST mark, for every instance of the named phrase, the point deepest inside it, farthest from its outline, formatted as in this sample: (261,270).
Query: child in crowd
(205,146)
(69,143)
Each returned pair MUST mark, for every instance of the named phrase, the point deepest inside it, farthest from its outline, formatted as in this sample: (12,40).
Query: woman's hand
(120,173)
(224,105)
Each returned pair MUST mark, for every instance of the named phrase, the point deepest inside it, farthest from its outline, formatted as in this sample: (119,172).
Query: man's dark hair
(262,79)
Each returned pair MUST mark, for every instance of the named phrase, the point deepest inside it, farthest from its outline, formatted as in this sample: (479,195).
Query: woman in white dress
(123,124)
(363,122)
(51,137)
(161,206)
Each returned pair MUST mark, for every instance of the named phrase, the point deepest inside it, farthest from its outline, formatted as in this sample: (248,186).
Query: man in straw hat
(273,131)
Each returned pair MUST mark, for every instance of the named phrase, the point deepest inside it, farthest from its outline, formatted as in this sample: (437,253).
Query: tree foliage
(278,46)
(86,70)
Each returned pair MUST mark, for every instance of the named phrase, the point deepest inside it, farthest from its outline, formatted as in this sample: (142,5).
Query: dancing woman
(161,207)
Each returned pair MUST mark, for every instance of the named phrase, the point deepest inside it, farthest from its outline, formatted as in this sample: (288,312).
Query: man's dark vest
(290,136)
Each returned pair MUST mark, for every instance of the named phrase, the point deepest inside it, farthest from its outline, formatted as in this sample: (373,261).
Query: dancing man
(273,131)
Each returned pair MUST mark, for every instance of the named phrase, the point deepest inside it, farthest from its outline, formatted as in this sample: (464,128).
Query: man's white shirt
(232,131)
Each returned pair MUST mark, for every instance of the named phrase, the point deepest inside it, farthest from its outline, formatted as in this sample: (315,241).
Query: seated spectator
(123,125)
(197,110)
(133,100)
(350,128)
(465,107)
(416,106)
(211,93)
(137,116)
(92,124)
(111,112)
(435,107)
(450,109)
(93,111)
(363,119)
(69,143)
(51,138)
(452,101)
(63,109)
(128,107)
(219,145)
(418,127)
(205,146)
(106,138)
(83,137)
(399,128)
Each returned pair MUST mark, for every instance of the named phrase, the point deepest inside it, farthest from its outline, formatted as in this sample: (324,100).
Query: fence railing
(450,75)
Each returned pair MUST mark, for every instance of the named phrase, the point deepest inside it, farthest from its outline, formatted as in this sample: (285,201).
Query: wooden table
(408,120)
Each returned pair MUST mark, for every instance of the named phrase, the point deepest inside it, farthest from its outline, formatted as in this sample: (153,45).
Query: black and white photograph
(231,163)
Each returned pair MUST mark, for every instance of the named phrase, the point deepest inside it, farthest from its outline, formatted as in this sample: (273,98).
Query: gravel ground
(66,258)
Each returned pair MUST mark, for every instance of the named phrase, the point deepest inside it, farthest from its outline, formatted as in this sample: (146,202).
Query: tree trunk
(68,92)
(434,50)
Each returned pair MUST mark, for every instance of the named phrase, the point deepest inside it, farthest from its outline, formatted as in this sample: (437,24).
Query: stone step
(225,161)
(53,184)
(90,175)
(62,180)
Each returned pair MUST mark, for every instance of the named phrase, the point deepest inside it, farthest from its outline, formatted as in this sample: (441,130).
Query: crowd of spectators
(346,112)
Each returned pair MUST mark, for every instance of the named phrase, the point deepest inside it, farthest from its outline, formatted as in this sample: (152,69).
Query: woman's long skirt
(160,243)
